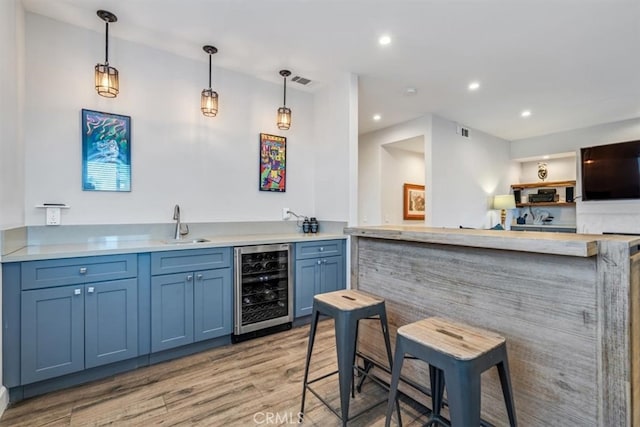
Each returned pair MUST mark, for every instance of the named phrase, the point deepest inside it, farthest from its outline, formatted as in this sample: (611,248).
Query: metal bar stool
(347,308)
(458,354)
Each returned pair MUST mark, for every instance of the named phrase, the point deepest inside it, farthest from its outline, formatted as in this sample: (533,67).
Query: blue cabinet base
(30,390)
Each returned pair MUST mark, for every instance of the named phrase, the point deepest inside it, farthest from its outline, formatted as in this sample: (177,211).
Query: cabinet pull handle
(91,289)
(189,278)
(199,276)
(324,261)
(321,249)
(319,262)
(83,270)
(77,291)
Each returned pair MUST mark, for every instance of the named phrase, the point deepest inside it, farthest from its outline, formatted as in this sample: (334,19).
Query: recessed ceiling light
(377,117)
(410,91)
(474,86)
(525,113)
(384,40)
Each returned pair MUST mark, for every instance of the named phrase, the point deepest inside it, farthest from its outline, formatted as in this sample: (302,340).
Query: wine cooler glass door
(263,292)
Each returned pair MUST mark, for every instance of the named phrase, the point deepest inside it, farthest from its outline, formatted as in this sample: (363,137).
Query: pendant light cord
(106,45)
(209,71)
(285,91)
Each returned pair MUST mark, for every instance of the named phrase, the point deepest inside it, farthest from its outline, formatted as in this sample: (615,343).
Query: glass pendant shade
(284,118)
(209,102)
(107,83)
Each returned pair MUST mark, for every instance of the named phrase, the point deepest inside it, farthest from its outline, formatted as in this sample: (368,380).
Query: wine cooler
(263,291)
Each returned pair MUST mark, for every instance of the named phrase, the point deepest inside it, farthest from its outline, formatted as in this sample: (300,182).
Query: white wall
(11,135)
(467,172)
(371,173)
(400,167)
(332,160)
(594,216)
(461,174)
(11,87)
(207,165)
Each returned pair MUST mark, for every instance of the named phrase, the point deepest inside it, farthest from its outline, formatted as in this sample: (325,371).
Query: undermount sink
(185,241)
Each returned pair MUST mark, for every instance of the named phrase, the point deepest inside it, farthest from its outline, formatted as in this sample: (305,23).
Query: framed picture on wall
(273,163)
(106,151)
(414,202)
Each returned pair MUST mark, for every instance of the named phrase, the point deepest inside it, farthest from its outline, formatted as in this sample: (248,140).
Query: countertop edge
(522,241)
(45,252)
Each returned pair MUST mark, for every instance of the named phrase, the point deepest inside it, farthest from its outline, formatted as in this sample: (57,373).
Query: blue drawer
(70,271)
(190,260)
(319,248)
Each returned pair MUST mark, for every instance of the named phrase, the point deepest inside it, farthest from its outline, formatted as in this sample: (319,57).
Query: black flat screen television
(611,172)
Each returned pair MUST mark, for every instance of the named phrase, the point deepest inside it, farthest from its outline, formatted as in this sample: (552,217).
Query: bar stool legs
(347,308)
(312,336)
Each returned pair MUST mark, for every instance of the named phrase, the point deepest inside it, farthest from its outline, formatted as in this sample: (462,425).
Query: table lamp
(504,202)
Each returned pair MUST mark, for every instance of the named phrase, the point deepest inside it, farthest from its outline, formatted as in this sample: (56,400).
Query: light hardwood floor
(258,382)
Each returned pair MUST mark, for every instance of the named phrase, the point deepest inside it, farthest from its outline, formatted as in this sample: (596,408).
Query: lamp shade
(504,201)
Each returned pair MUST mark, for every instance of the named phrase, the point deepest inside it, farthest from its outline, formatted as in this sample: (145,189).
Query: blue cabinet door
(307,283)
(332,277)
(213,302)
(111,322)
(52,330)
(171,311)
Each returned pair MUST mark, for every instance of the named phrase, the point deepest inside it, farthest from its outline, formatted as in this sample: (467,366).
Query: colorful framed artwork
(273,163)
(414,202)
(106,151)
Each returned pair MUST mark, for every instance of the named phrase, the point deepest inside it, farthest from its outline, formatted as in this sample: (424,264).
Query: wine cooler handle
(189,278)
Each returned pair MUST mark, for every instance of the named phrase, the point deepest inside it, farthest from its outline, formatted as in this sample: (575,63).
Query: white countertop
(110,246)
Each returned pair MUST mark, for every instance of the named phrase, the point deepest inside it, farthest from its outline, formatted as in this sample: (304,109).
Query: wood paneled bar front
(567,305)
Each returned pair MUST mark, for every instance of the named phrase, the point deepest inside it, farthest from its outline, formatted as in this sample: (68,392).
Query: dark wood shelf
(523,205)
(544,184)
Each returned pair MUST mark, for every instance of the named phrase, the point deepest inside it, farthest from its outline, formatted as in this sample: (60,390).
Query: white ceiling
(573,63)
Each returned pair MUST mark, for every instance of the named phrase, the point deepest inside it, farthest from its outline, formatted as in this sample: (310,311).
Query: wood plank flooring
(258,382)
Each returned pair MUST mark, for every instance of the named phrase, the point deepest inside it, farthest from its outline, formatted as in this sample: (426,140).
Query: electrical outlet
(285,214)
(53,216)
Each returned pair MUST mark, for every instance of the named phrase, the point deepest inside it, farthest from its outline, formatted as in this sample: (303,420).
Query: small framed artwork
(273,163)
(414,202)
(106,151)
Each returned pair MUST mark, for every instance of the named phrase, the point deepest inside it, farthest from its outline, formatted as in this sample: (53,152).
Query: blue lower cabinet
(171,311)
(52,326)
(70,328)
(332,275)
(318,270)
(307,280)
(190,307)
(212,304)
(111,322)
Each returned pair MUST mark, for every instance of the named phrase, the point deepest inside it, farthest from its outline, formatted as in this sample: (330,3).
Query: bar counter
(566,303)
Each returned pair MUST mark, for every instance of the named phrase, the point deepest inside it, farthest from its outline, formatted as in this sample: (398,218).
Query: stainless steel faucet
(181,229)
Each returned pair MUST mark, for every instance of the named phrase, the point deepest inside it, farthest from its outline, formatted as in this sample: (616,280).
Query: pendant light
(284,113)
(106,76)
(209,98)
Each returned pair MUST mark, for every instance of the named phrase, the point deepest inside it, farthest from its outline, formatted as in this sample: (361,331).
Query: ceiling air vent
(303,81)
(462,131)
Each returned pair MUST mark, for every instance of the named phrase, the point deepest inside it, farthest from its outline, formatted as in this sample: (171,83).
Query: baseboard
(4,399)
